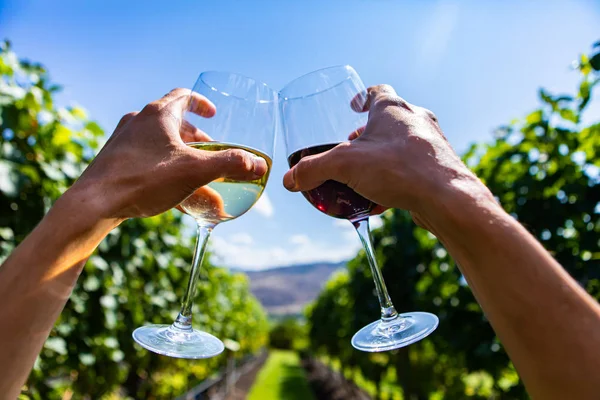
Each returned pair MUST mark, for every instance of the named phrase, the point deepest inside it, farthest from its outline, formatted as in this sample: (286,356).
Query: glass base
(401,331)
(171,341)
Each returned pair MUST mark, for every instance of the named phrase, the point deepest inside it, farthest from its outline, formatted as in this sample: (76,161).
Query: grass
(281,377)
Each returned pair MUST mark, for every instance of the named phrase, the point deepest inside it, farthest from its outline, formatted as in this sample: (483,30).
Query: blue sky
(475,64)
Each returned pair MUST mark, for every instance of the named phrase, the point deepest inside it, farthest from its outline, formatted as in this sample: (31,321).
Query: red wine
(333,198)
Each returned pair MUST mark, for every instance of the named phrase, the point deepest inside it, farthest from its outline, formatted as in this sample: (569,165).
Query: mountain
(287,290)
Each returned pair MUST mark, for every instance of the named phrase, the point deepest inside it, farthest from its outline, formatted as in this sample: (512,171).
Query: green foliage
(137,275)
(288,334)
(544,170)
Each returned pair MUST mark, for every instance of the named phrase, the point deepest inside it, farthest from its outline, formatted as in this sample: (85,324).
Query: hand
(401,158)
(145,168)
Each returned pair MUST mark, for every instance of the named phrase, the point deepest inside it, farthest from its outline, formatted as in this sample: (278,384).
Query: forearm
(549,326)
(37,280)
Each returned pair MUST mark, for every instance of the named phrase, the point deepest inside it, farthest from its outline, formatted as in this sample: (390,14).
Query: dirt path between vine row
(244,383)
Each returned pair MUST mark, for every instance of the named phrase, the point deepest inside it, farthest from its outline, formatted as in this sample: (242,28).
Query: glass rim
(295,80)
(265,152)
(255,82)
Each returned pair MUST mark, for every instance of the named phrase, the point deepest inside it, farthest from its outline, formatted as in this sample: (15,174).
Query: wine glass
(316,116)
(245,119)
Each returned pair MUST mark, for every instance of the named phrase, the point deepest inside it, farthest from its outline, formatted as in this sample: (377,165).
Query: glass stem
(388,312)
(184,319)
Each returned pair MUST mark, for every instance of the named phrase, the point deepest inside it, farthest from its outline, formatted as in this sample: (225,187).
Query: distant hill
(287,290)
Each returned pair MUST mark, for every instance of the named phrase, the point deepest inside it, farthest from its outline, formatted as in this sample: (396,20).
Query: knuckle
(304,169)
(341,160)
(239,159)
(178,92)
(385,88)
(388,100)
(342,148)
(301,166)
(152,108)
(429,114)
(127,117)
(173,93)
(381,90)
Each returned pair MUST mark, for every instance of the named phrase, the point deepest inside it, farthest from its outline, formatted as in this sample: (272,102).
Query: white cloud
(341,223)
(299,240)
(346,229)
(375,221)
(241,251)
(264,206)
(242,238)
(302,251)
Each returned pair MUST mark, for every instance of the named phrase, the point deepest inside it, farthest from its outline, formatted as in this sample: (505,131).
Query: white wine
(224,199)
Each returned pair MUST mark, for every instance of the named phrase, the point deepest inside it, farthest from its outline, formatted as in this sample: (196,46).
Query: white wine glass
(316,116)
(245,119)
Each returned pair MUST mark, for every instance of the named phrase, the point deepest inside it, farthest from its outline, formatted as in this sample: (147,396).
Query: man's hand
(547,323)
(401,159)
(146,168)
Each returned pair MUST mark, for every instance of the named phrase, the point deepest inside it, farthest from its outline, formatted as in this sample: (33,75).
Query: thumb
(234,164)
(381,96)
(380,92)
(312,171)
(363,102)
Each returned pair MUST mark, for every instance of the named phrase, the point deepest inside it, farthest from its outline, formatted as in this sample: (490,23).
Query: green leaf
(79,113)
(62,136)
(584,65)
(584,94)
(546,98)
(569,115)
(535,117)
(94,128)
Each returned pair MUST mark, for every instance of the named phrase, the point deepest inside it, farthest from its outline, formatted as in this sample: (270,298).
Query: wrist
(462,201)
(57,248)
(81,207)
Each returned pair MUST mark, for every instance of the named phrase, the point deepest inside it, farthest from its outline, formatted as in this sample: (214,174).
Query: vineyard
(543,168)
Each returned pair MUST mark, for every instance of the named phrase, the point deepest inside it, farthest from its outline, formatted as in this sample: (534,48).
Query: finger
(356,133)
(234,164)
(206,198)
(362,103)
(313,171)
(201,106)
(189,133)
(180,100)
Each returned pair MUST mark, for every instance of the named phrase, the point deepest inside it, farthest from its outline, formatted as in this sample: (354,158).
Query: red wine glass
(317,116)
